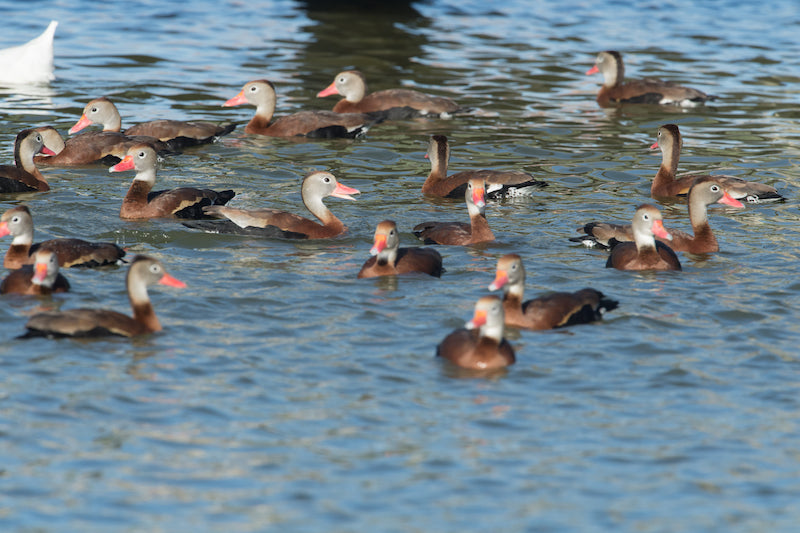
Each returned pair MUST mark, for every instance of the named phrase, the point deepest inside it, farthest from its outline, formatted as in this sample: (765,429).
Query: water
(286,395)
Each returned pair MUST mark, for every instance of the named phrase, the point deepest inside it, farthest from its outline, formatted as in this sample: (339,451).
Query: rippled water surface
(286,395)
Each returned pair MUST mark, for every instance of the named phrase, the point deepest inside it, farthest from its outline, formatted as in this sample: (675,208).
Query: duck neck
(24,160)
(439,158)
(143,311)
(317,208)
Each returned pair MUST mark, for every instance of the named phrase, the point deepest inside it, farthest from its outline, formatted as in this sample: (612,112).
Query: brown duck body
(177,133)
(459,233)
(467,349)
(23,176)
(320,124)
(143,271)
(666,184)
(644,253)
(705,191)
(141,203)
(18,223)
(390,103)
(409,260)
(616,91)
(499,183)
(107,147)
(390,260)
(550,311)
(276,223)
(41,278)
(482,346)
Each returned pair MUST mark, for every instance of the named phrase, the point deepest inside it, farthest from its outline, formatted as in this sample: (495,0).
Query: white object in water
(31,62)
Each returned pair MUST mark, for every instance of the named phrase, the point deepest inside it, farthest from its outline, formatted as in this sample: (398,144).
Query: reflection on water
(283,391)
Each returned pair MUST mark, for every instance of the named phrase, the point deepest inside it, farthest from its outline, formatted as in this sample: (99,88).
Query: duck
(18,222)
(142,272)
(141,203)
(394,104)
(388,259)
(499,183)
(29,63)
(460,233)
(317,185)
(645,253)
(316,124)
(23,176)
(106,147)
(666,185)
(705,191)
(480,344)
(41,278)
(645,91)
(178,133)
(555,310)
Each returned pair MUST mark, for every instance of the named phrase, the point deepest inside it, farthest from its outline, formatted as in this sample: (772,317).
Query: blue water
(286,395)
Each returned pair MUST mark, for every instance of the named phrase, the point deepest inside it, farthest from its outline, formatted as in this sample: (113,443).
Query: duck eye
(253,88)
(94,110)
(715,188)
(327,179)
(155,269)
(15,219)
(646,216)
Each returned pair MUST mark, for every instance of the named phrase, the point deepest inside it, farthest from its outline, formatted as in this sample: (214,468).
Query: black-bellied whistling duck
(545,312)
(143,271)
(18,223)
(499,183)
(107,147)
(665,184)
(459,233)
(389,259)
(316,186)
(705,191)
(480,344)
(645,252)
(322,124)
(140,202)
(646,91)
(23,176)
(40,278)
(178,133)
(392,103)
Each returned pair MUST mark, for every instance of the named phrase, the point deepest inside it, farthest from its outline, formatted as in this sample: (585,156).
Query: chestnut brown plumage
(40,278)
(550,311)
(459,233)
(394,104)
(23,176)
(178,133)
(645,253)
(324,124)
(142,272)
(666,184)
(499,183)
(706,190)
(480,345)
(616,90)
(18,223)
(140,202)
(265,222)
(390,260)
(106,147)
